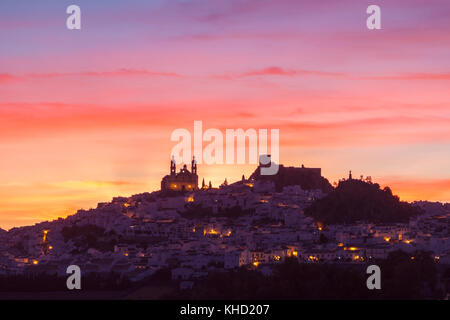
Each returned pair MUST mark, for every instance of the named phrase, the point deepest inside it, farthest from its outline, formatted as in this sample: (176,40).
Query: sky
(86,115)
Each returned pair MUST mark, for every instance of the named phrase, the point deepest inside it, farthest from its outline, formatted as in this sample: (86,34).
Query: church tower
(194,166)
(173,169)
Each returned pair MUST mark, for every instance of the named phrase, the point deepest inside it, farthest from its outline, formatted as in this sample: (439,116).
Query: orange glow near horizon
(87,116)
(26,204)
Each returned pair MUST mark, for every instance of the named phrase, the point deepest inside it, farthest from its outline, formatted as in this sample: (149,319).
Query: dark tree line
(90,236)
(356,200)
(401,278)
(43,282)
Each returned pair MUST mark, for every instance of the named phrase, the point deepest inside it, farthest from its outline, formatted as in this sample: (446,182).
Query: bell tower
(194,166)
(173,169)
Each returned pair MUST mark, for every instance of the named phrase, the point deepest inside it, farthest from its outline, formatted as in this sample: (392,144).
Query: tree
(356,200)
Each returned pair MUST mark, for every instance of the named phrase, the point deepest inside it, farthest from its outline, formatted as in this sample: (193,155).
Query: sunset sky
(86,115)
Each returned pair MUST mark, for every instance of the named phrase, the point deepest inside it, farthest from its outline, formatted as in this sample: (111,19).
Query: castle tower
(350,175)
(173,166)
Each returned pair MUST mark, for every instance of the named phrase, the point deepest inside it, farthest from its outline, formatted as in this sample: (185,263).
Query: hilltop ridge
(356,200)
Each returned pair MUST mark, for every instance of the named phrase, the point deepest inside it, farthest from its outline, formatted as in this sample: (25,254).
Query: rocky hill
(356,200)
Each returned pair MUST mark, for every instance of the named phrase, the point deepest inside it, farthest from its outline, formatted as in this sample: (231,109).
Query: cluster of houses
(246,224)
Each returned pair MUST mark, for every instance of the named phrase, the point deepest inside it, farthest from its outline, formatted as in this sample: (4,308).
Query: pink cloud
(412,76)
(115,73)
(279,71)
(7,78)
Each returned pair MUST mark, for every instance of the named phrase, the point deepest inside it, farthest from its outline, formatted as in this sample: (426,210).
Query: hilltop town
(254,223)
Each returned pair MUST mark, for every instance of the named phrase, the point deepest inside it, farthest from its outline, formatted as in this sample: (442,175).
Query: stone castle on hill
(184,180)
(307,178)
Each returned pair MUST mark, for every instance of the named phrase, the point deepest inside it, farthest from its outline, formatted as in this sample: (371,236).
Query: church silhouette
(184,180)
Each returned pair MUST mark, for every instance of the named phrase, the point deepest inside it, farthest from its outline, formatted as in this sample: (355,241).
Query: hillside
(356,200)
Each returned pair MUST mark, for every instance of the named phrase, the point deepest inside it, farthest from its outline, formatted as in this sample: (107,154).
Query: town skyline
(86,115)
(217,184)
(173,244)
